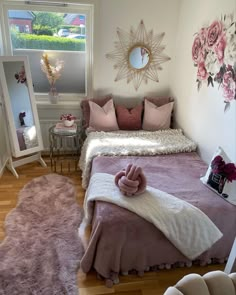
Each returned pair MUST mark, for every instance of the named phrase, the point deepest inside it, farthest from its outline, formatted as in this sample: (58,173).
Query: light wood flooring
(152,283)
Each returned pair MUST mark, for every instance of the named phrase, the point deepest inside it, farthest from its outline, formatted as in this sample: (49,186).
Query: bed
(120,240)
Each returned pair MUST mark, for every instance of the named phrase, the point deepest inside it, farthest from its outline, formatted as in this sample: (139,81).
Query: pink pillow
(159,101)
(85,106)
(156,118)
(102,118)
(129,119)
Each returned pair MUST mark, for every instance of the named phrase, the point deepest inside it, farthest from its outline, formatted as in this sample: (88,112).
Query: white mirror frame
(15,148)
(30,154)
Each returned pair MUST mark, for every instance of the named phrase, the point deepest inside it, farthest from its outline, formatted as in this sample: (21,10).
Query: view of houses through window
(61,35)
(47,30)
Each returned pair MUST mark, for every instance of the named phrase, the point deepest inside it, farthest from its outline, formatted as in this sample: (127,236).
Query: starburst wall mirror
(138,55)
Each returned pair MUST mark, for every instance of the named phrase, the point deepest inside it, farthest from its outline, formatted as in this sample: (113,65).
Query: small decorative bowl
(68,123)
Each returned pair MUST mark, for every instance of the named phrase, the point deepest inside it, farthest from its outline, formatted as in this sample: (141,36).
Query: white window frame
(86,8)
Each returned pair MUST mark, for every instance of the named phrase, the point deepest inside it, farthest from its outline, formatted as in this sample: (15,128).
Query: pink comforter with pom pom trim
(122,241)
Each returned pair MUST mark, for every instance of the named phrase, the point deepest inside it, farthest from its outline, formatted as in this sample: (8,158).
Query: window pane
(61,35)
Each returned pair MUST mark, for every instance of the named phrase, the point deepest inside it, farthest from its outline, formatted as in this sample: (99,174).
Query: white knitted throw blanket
(131,143)
(186,226)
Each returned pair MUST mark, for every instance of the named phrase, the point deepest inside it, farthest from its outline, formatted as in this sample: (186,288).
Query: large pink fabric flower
(214,31)
(227,77)
(197,50)
(202,73)
(220,48)
(213,53)
(229,86)
(203,35)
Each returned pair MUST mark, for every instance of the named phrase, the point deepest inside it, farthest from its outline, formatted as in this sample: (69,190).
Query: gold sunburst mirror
(138,55)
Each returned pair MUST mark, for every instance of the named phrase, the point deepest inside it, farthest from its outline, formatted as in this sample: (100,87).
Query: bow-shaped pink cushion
(131,181)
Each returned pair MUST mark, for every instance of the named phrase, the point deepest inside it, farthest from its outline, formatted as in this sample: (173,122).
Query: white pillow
(218,181)
(102,118)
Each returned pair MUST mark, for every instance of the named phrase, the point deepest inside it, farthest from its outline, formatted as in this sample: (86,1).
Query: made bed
(121,240)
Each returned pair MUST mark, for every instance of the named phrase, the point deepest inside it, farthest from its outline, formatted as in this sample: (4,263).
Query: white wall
(158,15)
(201,114)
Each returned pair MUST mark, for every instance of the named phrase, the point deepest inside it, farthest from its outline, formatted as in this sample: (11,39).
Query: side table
(64,149)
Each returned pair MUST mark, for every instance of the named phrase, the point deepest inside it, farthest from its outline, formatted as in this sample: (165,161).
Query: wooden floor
(151,283)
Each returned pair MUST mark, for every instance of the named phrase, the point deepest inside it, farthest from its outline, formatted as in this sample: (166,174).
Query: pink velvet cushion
(102,118)
(129,119)
(85,106)
(156,118)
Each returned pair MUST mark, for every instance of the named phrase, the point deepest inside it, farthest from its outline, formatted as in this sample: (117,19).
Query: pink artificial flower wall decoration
(213,33)
(214,55)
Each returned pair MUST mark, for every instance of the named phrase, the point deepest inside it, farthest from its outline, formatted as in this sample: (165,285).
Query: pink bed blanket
(122,241)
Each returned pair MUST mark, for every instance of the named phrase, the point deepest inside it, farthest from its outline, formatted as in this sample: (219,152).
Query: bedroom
(199,113)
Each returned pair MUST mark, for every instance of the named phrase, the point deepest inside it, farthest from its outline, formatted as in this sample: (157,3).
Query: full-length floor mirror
(21,112)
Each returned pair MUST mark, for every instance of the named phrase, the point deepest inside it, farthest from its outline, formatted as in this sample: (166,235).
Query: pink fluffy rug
(42,250)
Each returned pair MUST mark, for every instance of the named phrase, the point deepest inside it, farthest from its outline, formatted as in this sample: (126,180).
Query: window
(62,31)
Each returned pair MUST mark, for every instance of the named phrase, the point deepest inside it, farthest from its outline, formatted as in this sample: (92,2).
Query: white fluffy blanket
(132,143)
(187,227)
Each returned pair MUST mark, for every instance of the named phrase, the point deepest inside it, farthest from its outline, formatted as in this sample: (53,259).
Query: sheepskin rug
(42,250)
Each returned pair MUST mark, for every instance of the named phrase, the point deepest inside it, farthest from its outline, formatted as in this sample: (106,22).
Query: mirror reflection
(139,57)
(20,102)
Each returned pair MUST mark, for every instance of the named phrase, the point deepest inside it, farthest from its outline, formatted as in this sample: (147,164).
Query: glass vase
(53,95)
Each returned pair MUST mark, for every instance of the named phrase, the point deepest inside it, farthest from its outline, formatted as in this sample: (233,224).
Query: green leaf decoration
(210,81)
(227,106)
(199,85)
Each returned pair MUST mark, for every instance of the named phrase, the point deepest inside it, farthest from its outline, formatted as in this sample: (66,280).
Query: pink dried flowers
(53,73)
